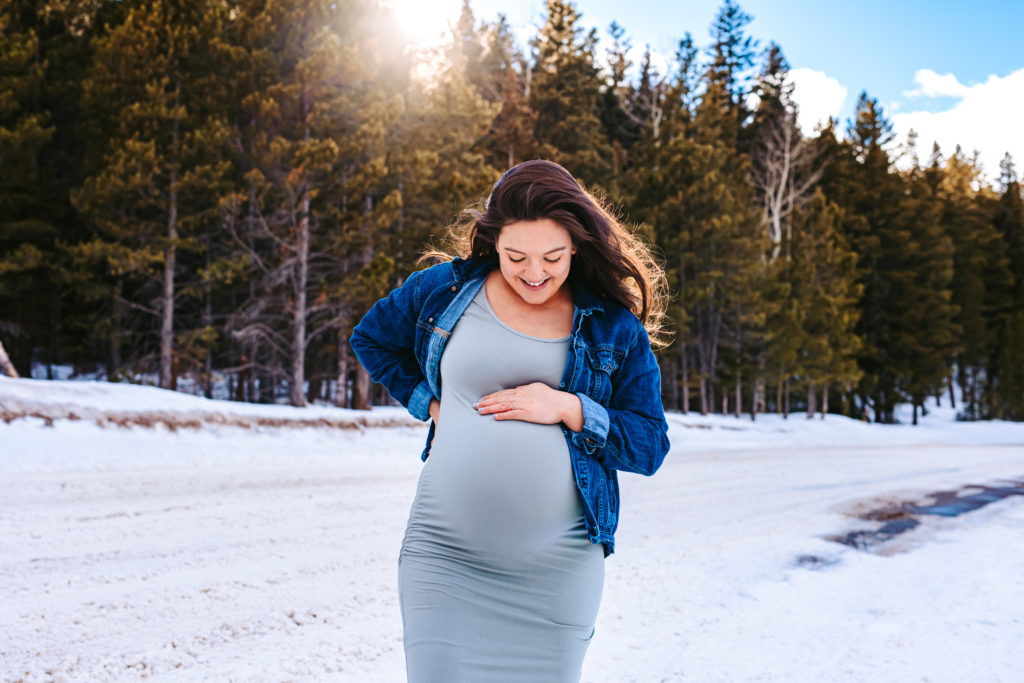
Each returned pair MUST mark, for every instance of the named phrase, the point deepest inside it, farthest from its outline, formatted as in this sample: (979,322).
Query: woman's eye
(520,260)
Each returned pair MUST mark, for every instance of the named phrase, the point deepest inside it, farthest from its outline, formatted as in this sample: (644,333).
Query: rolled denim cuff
(419,402)
(595,425)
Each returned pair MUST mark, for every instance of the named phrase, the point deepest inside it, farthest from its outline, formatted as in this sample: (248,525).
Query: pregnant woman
(532,359)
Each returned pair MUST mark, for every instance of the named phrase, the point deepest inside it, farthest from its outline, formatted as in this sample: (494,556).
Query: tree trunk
(812,400)
(778,397)
(115,332)
(208,322)
(914,403)
(298,366)
(341,399)
(167,299)
(754,398)
(167,379)
(738,408)
(361,390)
(667,373)
(972,402)
(824,402)
(786,399)
(5,363)
(952,395)
(759,400)
(298,369)
(739,385)
(704,409)
(250,380)
(686,379)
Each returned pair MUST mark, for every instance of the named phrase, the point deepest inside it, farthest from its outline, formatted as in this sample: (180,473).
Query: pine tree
(864,185)
(511,136)
(981,283)
(443,169)
(922,315)
(150,93)
(621,130)
(1008,219)
(26,236)
(821,309)
(565,92)
(643,98)
(732,53)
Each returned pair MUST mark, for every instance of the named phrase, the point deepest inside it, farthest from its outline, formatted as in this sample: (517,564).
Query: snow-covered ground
(251,543)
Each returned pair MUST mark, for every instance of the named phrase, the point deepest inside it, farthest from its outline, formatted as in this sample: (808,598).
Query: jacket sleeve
(384,342)
(631,434)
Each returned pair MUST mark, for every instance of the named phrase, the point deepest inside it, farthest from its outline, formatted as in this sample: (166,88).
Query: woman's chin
(534,296)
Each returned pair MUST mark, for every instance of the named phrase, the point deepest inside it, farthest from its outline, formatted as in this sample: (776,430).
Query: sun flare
(424,23)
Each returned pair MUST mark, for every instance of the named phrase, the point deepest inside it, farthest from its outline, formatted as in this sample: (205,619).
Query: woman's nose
(534,272)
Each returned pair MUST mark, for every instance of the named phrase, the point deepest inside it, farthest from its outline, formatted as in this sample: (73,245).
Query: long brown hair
(610,260)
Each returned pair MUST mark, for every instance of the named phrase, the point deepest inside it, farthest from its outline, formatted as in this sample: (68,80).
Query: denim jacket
(610,367)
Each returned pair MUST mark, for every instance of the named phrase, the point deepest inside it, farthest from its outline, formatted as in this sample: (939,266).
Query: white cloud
(818,96)
(936,85)
(987,118)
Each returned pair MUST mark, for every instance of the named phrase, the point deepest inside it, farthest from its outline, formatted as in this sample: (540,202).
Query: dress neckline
(486,303)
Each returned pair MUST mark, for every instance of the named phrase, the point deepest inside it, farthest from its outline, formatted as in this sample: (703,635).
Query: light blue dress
(497,579)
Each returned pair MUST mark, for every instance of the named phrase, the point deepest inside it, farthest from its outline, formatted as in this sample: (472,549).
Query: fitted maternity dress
(497,579)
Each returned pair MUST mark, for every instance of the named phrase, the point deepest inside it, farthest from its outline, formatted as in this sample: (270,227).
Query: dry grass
(11,410)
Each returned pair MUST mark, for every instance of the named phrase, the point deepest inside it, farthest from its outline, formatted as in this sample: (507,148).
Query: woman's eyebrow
(549,251)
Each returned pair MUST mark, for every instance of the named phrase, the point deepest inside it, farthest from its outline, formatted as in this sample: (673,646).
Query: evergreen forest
(207,195)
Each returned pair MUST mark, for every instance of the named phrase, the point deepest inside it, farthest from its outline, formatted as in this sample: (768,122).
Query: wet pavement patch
(897,518)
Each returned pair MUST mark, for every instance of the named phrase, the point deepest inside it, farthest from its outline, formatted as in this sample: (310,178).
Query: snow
(199,549)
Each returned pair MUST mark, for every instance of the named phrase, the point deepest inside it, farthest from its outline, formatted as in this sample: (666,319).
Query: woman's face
(534,258)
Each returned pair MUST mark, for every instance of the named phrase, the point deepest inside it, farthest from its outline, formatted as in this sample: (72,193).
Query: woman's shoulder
(615,325)
(436,275)
(455,271)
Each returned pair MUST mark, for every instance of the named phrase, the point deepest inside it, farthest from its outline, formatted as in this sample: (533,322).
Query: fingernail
(476,406)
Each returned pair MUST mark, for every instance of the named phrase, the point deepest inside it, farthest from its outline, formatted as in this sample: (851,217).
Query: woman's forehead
(543,234)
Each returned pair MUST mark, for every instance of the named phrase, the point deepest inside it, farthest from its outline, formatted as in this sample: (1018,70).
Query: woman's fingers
(499,402)
(536,402)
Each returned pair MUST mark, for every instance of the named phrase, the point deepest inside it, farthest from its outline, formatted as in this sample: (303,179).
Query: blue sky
(890,49)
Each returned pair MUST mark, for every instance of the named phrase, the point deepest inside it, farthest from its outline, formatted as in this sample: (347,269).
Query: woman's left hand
(535,402)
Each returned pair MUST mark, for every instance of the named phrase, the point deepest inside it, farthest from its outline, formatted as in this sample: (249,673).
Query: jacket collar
(470,269)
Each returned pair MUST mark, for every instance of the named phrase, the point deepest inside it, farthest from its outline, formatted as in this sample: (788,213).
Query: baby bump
(492,484)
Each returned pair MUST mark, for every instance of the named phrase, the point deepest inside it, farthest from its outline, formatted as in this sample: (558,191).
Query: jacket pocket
(602,362)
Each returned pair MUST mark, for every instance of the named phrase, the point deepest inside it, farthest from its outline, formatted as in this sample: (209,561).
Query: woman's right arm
(384,342)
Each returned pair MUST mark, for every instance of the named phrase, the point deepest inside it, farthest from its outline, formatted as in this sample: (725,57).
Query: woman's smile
(535,286)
